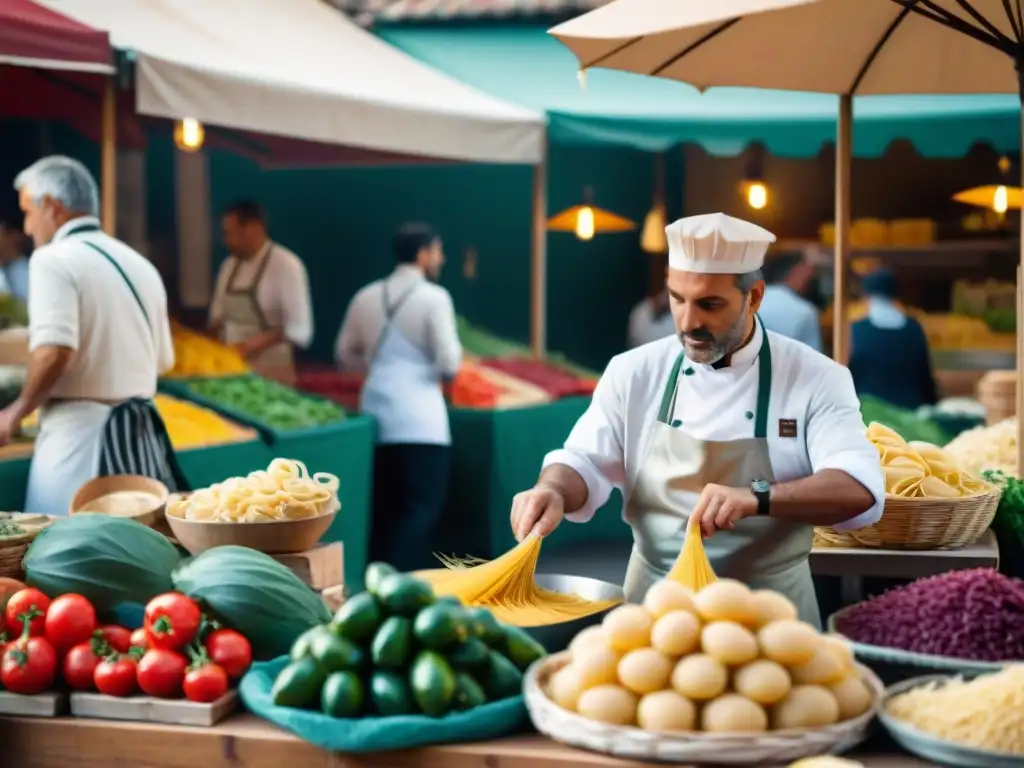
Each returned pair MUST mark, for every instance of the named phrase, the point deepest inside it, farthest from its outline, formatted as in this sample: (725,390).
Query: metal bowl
(556,637)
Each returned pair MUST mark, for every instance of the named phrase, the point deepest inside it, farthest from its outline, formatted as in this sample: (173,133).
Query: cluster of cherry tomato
(177,651)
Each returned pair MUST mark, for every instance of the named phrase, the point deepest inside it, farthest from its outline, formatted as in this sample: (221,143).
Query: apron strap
(764,386)
(120,271)
(390,313)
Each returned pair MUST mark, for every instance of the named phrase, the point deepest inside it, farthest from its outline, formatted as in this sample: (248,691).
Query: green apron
(762,552)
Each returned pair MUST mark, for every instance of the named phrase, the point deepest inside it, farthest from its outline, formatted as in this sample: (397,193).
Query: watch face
(761,486)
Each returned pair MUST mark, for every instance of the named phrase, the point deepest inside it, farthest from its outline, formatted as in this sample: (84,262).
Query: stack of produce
(479,343)
(192,426)
(396,650)
(114,562)
(339,387)
(993,447)
(1009,519)
(472,389)
(557,383)
(176,653)
(985,713)
(907,424)
(266,402)
(13,312)
(726,660)
(921,470)
(199,355)
(976,615)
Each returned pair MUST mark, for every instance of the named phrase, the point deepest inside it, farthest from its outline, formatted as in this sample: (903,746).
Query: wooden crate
(145,709)
(333,597)
(40,705)
(321,567)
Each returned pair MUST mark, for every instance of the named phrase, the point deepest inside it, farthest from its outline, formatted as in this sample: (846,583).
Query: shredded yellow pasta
(692,568)
(284,491)
(506,586)
(985,713)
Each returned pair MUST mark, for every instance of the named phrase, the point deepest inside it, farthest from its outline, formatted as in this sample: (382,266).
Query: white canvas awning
(300,69)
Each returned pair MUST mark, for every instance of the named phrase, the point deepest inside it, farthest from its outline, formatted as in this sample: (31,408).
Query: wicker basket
(724,749)
(829,538)
(13,548)
(928,524)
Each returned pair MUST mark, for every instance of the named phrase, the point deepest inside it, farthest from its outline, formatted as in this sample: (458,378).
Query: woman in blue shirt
(889,356)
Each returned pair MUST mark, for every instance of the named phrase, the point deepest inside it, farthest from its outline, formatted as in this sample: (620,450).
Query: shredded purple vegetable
(976,615)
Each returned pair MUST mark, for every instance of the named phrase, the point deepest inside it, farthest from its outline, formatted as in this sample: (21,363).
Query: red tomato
(70,620)
(31,603)
(230,650)
(162,672)
(118,638)
(29,666)
(206,683)
(140,639)
(80,664)
(172,621)
(115,676)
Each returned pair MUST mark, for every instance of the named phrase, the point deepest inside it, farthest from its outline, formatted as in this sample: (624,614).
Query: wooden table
(247,742)
(852,565)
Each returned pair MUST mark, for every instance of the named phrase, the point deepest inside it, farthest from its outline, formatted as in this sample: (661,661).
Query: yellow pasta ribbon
(692,568)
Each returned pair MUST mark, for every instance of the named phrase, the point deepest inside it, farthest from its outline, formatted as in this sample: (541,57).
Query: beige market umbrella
(845,47)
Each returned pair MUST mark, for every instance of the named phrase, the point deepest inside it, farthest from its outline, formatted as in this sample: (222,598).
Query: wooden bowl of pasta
(135,497)
(281,510)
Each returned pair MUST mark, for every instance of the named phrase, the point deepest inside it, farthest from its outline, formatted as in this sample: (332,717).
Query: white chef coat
(426,319)
(644,327)
(608,443)
(79,300)
(283,292)
(784,311)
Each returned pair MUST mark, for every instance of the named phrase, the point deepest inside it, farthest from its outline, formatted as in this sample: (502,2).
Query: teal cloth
(379,734)
(523,64)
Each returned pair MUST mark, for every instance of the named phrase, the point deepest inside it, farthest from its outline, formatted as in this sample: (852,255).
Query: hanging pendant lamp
(587,220)
(652,236)
(999,197)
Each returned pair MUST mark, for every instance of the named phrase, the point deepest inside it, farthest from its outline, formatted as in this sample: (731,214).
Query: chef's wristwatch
(762,491)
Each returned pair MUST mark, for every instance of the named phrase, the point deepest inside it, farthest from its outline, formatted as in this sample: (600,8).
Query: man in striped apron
(99,336)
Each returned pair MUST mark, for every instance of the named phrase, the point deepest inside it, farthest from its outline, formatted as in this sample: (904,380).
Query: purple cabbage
(976,615)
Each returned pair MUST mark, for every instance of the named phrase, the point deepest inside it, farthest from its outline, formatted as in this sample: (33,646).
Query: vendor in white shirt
(754,436)
(401,330)
(261,304)
(99,335)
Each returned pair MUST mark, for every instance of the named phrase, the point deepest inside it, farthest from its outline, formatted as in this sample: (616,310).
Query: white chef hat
(716,244)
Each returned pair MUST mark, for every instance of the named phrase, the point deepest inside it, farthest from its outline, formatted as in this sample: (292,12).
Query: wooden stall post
(1019,387)
(841,249)
(539,259)
(108,157)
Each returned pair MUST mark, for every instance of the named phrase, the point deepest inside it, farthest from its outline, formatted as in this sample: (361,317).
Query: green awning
(526,66)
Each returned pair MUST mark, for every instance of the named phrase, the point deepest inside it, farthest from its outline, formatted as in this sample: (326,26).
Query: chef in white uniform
(401,330)
(756,437)
(261,304)
(99,335)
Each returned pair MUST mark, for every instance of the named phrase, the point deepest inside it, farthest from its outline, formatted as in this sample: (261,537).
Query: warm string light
(585,223)
(757,195)
(1000,201)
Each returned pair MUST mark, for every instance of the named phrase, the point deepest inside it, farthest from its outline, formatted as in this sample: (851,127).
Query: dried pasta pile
(506,586)
(982,448)
(921,470)
(985,713)
(692,568)
(284,491)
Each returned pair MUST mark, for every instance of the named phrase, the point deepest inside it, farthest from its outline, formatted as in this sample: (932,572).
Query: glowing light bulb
(581,77)
(999,200)
(757,195)
(189,135)
(585,223)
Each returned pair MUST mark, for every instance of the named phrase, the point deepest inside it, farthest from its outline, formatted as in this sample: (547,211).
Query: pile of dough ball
(726,660)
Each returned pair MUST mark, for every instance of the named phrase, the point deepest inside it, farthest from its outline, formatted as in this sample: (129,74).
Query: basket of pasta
(931,500)
(724,675)
(280,510)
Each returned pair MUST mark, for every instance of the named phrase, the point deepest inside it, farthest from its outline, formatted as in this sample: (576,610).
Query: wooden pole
(108,158)
(841,251)
(539,259)
(1020,320)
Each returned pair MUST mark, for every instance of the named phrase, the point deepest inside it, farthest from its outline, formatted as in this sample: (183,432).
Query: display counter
(497,454)
(345,450)
(247,741)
